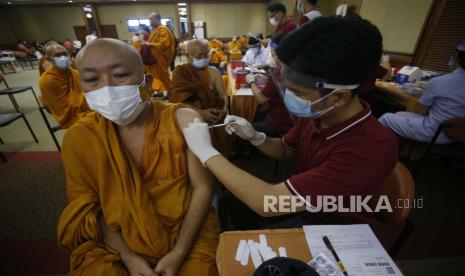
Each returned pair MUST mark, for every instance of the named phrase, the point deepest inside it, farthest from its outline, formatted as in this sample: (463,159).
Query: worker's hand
(198,139)
(169,264)
(250,78)
(210,115)
(223,64)
(137,265)
(244,129)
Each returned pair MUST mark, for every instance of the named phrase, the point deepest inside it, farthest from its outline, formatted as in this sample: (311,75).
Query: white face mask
(119,104)
(200,63)
(273,21)
(64,62)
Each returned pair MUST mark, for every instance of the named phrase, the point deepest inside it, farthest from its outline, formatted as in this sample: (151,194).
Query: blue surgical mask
(64,62)
(200,63)
(303,108)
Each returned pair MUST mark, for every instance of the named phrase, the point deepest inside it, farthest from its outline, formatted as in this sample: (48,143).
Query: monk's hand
(242,128)
(137,265)
(170,264)
(198,139)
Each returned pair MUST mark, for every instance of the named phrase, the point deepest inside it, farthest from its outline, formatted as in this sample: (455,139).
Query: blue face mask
(200,63)
(303,108)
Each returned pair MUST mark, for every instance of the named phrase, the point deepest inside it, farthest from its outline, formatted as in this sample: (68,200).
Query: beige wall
(118,15)
(40,23)
(399,21)
(228,19)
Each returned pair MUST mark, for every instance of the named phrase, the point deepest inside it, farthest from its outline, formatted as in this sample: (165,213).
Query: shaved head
(196,45)
(108,61)
(52,49)
(155,19)
(155,15)
(108,48)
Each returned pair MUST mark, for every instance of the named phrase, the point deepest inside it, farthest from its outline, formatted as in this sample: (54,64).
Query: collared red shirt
(286,27)
(349,159)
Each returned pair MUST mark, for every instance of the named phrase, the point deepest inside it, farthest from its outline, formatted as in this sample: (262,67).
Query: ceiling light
(88,15)
(181,4)
(9,3)
(70,1)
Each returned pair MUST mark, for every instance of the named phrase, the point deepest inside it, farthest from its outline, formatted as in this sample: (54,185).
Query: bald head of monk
(109,62)
(59,56)
(155,19)
(198,49)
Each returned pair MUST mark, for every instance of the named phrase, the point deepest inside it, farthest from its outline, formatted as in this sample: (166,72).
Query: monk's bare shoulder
(213,71)
(186,115)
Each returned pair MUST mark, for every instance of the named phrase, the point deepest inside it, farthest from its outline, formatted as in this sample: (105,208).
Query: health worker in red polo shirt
(342,150)
(278,17)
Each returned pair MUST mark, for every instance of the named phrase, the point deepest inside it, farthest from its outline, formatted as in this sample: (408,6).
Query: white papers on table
(356,245)
(259,252)
(244,92)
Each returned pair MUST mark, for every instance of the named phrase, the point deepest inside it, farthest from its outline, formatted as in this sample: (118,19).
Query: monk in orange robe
(162,43)
(61,92)
(201,86)
(234,47)
(139,201)
(216,45)
(218,60)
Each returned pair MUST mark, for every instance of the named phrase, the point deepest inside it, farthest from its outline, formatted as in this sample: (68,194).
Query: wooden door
(109,31)
(81,33)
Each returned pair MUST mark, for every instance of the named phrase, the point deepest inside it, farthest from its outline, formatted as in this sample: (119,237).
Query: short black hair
(276,7)
(461,58)
(312,2)
(340,50)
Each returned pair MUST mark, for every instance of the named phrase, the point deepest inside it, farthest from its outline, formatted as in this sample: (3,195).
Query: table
(243,106)
(292,239)
(389,92)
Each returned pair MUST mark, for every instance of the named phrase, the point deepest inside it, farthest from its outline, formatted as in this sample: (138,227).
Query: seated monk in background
(234,47)
(44,62)
(218,60)
(139,200)
(60,87)
(201,86)
(215,44)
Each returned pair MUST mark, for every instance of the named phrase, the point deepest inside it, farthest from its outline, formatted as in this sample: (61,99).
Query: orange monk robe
(62,95)
(189,88)
(136,45)
(216,45)
(244,41)
(217,58)
(147,203)
(44,59)
(235,50)
(163,51)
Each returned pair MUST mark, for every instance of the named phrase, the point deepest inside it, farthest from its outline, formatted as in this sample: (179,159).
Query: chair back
(455,129)
(399,188)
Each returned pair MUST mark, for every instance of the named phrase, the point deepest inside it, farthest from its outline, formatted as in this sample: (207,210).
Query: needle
(220,125)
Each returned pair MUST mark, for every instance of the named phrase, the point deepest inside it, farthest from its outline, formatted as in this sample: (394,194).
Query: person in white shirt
(256,55)
(91,36)
(311,12)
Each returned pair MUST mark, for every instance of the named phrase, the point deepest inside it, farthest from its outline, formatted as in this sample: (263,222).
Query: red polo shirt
(286,27)
(277,111)
(351,158)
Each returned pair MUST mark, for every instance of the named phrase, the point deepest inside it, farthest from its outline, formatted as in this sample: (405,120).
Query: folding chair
(8,118)
(10,91)
(455,129)
(51,129)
